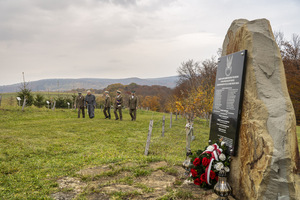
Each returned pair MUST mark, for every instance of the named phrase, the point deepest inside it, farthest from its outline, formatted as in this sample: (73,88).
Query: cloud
(121,38)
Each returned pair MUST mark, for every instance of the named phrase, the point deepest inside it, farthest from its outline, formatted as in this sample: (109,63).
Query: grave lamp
(222,188)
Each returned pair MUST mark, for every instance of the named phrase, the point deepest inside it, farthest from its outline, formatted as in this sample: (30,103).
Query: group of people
(89,102)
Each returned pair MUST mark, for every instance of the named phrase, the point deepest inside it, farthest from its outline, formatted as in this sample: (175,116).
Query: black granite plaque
(229,90)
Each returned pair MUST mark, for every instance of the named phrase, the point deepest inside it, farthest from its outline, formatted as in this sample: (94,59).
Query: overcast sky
(122,38)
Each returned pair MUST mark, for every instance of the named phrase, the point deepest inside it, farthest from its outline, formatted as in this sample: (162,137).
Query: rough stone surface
(265,165)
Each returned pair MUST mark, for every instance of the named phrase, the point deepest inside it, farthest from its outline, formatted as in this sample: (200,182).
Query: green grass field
(39,146)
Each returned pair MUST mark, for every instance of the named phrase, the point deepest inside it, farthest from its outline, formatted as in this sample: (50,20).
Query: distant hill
(87,83)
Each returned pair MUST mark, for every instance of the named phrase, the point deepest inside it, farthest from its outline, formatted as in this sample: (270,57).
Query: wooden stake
(163,127)
(149,137)
(24,103)
(53,108)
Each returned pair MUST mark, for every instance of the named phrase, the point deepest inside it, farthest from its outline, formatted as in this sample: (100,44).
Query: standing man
(132,104)
(107,105)
(90,102)
(118,105)
(80,104)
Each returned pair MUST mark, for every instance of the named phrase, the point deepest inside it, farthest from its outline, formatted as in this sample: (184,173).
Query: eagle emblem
(228,68)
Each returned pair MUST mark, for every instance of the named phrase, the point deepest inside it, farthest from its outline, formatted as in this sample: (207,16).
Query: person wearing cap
(133,104)
(80,104)
(90,103)
(106,109)
(118,105)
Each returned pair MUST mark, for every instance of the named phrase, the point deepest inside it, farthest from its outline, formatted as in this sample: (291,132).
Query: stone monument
(265,166)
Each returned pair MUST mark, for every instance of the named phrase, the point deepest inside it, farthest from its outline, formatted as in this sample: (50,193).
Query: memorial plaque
(227,107)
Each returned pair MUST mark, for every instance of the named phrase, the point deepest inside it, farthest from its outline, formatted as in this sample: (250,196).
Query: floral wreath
(207,164)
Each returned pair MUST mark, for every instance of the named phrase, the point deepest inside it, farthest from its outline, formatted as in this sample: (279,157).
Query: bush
(63,102)
(26,93)
(39,101)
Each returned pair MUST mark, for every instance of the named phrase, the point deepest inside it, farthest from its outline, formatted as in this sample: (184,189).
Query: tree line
(194,91)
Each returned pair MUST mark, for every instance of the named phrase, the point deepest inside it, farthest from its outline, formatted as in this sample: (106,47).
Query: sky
(122,38)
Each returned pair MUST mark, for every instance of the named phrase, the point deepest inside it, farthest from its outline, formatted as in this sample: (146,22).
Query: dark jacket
(90,100)
(118,101)
(107,101)
(133,102)
(79,101)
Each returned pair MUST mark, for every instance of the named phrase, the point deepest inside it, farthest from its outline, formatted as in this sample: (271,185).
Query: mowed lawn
(39,146)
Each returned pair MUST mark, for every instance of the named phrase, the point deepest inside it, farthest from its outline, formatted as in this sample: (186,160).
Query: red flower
(212,174)
(202,177)
(197,161)
(197,181)
(194,172)
(205,161)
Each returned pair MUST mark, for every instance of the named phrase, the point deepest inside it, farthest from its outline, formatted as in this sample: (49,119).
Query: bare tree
(188,73)
(295,51)
(279,38)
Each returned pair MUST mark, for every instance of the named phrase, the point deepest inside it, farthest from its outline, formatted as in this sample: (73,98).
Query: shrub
(39,101)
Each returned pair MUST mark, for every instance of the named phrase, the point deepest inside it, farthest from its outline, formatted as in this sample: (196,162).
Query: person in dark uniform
(80,104)
(90,103)
(106,109)
(118,105)
(133,104)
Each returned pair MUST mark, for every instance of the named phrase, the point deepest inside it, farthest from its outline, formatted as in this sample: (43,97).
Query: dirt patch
(64,195)
(163,181)
(95,170)
(158,165)
(70,187)
(98,196)
(120,188)
(158,180)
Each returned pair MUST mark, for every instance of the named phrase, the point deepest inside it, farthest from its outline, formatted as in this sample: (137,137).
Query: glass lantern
(222,188)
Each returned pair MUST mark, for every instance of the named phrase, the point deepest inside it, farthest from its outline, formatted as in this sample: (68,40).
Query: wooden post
(171,120)
(24,103)
(163,126)
(0,100)
(101,108)
(176,116)
(149,137)
(53,108)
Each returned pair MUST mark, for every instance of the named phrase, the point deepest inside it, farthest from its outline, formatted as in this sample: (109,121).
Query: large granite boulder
(266,163)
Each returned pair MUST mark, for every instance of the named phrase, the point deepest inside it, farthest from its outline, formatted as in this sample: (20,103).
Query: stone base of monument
(265,166)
